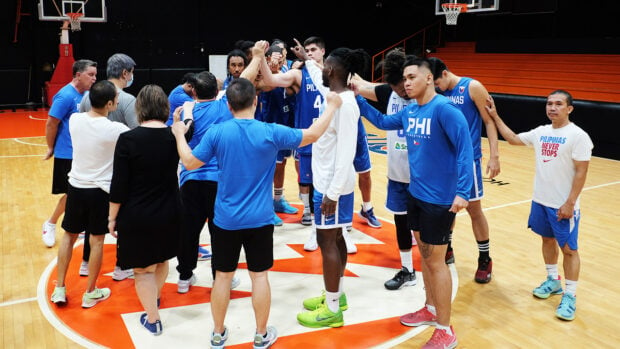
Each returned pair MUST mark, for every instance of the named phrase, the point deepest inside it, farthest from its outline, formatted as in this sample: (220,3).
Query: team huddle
(151,170)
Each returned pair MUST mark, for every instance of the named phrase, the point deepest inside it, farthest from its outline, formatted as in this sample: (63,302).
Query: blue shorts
(361,162)
(343,216)
(544,222)
(305,169)
(397,196)
(431,220)
(283,154)
(476,189)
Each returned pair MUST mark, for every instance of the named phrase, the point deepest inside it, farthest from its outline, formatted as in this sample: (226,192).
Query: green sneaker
(547,288)
(314,302)
(321,317)
(90,299)
(59,296)
(566,309)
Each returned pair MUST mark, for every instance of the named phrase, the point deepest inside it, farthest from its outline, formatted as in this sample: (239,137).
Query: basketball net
(74,20)
(452,11)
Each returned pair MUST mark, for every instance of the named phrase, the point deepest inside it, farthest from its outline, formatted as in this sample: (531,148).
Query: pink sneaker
(419,318)
(441,340)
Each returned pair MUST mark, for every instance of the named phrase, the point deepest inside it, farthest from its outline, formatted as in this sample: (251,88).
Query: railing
(420,39)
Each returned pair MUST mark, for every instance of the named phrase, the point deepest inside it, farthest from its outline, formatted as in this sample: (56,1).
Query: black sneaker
(402,278)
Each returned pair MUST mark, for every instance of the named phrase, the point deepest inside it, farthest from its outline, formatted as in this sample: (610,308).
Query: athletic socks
(277,193)
(552,270)
(483,249)
(406,260)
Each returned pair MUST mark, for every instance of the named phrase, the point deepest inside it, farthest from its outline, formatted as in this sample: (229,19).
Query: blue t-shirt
(246,152)
(66,102)
(459,95)
(307,106)
(438,145)
(206,114)
(177,97)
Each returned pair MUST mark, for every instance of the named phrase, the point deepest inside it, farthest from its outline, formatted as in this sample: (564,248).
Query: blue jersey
(307,106)
(459,95)
(246,152)
(438,145)
(275,106)
(66,102)
(206,114)
(177,97)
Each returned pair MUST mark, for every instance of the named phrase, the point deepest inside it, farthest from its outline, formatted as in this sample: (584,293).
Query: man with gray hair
(119,71)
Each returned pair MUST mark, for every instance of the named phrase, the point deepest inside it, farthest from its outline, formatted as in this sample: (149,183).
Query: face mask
(129,82)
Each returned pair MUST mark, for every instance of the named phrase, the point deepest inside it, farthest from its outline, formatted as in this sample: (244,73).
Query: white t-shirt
(333,173)
(398,161)
(94,140)
(556,149)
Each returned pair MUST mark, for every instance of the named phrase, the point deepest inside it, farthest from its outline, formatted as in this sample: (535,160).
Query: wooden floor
(501,314)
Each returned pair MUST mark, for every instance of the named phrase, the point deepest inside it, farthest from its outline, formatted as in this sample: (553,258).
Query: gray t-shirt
(125,112)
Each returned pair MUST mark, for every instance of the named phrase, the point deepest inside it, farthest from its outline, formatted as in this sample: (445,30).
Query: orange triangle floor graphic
(372,319)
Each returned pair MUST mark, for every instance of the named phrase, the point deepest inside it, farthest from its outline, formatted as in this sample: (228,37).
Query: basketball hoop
(452,11)
(74,19)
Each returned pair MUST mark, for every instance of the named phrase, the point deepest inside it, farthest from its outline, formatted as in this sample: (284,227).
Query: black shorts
(86,210)
(257,244)
(60,181)
(431,220)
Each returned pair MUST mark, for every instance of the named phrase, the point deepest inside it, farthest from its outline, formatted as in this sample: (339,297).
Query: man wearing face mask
(119,71)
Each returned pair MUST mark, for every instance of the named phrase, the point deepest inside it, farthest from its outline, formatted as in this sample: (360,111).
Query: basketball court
(500,314)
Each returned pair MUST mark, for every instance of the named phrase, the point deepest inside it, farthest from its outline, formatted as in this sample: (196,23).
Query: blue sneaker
(283,206)
(267,340)
(155,328)
(567,307)
(203,254)
(277,221)
(547,288)
(218,340)
(369,217)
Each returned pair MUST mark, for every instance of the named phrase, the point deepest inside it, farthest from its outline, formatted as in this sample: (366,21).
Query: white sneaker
(351,248)
(311,244)
(84,268)
(262,342)
(49,234)
(59,296)
(90,299)
(183,285)
(120,274)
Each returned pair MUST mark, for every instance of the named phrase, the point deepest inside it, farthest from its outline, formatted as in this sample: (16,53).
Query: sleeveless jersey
(307,105)
(398,161)
(459,95)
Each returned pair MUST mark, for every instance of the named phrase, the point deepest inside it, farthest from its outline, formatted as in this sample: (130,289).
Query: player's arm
(581,170)
(365,88)
(378,119)
(504,130)
(479,94)
(288,79)
(318,127)
(258,54)
(51,130)
(179,129)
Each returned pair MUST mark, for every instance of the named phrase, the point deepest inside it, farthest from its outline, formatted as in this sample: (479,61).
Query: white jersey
(556,148)
(94,140)
(398,162)
(332,155)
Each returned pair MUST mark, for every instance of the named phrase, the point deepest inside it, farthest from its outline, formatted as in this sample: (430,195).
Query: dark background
(168,38)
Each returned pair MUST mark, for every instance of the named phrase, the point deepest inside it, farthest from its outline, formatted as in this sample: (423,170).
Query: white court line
(28,143)
(17,301)
(33,118)
(530,200)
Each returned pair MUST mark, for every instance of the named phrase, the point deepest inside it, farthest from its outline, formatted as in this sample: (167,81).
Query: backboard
(472,5)
(56,10)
